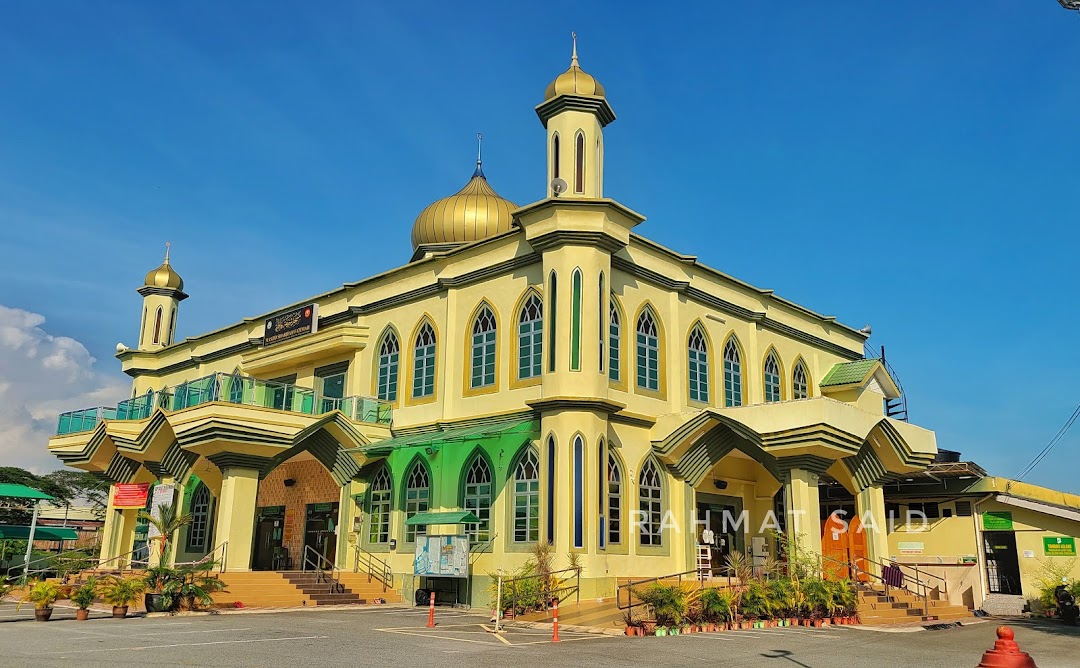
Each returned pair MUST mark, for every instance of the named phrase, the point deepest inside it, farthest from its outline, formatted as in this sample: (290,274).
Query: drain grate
(942,627)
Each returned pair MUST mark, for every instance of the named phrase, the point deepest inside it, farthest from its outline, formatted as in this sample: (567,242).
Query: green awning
(10,490)
(40,533)
(527,428)
(449,517)
(846,373)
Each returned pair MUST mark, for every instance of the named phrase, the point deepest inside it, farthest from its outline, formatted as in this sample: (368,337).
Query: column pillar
(108,531)
(236,515)
(870,506)
(347,514)
(174,540)
(125,534)
(803,510)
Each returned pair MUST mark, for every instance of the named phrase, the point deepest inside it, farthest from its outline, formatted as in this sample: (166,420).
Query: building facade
(543,367)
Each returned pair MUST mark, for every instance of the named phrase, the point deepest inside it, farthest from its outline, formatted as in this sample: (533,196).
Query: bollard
(1006,653)
(555,621)
(431,612)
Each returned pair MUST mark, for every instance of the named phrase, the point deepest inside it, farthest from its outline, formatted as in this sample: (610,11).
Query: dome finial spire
(168,245)
(479,161)
(573,57)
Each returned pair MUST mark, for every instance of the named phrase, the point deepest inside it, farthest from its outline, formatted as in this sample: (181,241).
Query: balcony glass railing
(234,389)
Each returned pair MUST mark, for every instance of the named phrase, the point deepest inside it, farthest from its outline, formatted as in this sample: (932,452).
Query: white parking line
(187,644)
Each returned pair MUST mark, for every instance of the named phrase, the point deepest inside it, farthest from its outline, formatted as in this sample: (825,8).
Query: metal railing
(209,559)
(374,567)
(229,388)
(628,587)
(549,587)
(325,570)
(921,590)
(60,564)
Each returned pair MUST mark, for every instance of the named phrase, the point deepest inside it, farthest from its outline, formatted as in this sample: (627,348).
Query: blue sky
(911,166)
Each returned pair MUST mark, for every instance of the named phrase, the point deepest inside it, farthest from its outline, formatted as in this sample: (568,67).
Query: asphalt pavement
(393,636)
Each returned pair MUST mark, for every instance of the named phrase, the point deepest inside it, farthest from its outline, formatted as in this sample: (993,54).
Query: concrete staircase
(261,589)
(900,606)
(603,613)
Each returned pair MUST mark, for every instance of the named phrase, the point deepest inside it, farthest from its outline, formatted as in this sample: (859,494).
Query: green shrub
(83,596)
(716,605)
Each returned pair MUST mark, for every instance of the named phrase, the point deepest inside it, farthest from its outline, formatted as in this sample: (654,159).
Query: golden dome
(574,81)
(164,276)
(475,212)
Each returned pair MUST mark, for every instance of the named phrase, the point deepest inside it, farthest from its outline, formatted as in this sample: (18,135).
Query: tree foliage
(67,487)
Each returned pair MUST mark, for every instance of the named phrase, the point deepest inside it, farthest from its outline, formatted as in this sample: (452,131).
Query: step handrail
(374,567)
(54,562)
(855,569)
(208,560)
(918,574)
(628,587)
(551,593)
(330,575)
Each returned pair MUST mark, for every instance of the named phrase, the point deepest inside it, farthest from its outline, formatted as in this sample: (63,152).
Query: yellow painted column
(870,506)
(125,535)
(108,531)
(174,540)
(801,492)
(236,516)
(347,513)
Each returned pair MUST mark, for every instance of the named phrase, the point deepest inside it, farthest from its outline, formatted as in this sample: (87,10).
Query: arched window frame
(800,387)
(575,320)
(482,353)
(772,377)
(648,352)
(525,496)
(650,504)
(734,387)
(424,371)
(578,528)
(615,477)
(698,380)
(550,460)
(552,306)
(615,322)
(380,506)
(555,156)
(388,366)
(157,326)
(198,531)
(579,162)
(171,330)
(530,337)
(416,495)
(477,492)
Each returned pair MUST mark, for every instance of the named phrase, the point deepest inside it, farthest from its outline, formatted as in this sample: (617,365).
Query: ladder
(704,561)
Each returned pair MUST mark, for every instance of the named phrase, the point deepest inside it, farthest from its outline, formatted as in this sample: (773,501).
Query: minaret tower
(162,292)
(575,111)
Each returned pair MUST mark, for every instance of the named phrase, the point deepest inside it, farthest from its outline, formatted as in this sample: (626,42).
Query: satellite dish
(558,186)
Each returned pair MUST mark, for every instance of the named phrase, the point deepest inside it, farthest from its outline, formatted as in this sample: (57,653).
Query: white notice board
(442,556)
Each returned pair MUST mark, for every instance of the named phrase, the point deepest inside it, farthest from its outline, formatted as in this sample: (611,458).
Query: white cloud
(40,376)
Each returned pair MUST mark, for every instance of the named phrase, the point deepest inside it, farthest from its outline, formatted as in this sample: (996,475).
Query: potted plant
(631,623)
(42,594)
(83,597)
(716,607)
(166,522)
(121,593)
(187,587)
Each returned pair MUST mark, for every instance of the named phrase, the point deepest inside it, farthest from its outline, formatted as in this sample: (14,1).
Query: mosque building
(534,373)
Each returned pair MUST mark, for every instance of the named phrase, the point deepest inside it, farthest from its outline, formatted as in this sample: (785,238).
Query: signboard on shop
(130,495)
(291,324)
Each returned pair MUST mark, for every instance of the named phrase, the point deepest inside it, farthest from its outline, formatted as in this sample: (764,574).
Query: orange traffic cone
(1006,653)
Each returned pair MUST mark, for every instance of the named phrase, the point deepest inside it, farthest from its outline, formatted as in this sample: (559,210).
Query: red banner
(130,496)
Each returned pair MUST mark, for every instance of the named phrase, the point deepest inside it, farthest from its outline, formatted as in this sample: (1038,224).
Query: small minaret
(575,111)
(162,292)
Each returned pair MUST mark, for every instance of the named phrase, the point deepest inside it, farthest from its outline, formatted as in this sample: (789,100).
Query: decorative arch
(699,363)
(482,350)
(380,505)
(157,326)
(198,530)
(529,335)
(649,364)
(579,162)
(615,483)
(734,361)
(550,459)
(772,375)
(577,446)
(807,382)
(616,320)
(423,384)
(477,493)
(555,155)
(576,278)
(524,484)
(652,494)
(387,364)
(416,495)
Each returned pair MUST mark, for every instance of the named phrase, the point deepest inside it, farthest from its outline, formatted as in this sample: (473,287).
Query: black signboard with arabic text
(291,324)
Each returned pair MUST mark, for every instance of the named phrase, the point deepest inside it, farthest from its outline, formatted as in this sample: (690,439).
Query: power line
(1050,446)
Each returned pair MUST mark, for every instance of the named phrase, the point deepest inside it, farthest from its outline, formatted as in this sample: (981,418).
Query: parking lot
(395,636)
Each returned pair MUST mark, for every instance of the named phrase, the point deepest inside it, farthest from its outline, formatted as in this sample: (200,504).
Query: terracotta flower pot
(119,611)
(82,614)
(42,614)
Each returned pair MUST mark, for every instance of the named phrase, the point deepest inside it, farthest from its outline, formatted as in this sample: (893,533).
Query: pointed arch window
(478,499)
(555,157)
(698,357)
(614,333)
(579,492)
(236,388)
(483,348)
(389,354)
(579,163)
(157,326)
(551,490)
(530,338)
(800,388)
(424,362)
(575,321)
(648,352)
(772,379)
(200,518)
(732,374)
(171,331)
(614,500)
(600,321)
(650,504)
(379,510)
(527,498)
(417,495)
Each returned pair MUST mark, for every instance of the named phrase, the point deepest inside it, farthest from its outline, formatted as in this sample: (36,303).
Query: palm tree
(167,522)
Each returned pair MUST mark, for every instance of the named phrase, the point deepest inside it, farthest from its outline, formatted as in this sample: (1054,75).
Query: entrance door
(269,530)
(723,520)
(319,530)
(842,545)
(1002,564)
